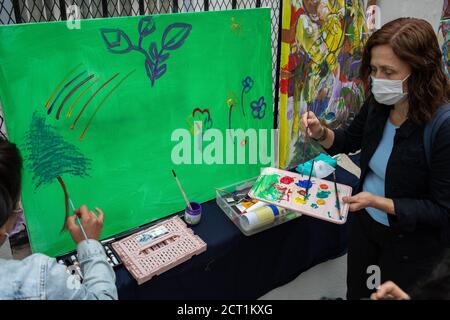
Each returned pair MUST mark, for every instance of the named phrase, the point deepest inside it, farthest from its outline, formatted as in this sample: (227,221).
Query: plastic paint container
(260,217)
(192,217)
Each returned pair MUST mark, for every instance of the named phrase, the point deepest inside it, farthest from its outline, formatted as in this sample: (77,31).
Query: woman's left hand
(360,201)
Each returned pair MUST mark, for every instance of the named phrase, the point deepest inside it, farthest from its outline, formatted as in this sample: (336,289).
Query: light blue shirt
(375,178)
(39,277)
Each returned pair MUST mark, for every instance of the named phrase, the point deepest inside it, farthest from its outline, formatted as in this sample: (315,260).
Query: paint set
(147,250)
(249,215)
(159,248)
(70,260)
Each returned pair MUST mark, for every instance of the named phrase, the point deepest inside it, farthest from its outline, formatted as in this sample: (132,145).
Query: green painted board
(97,107)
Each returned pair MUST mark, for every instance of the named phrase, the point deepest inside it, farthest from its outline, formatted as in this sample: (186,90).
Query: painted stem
(71,93)
(229,120)
(141,38)
(141,50)
(60,84)
(69,113)
(155,68)
(242,99)
(147,57)
(101,103)
(66,201)
(90,99)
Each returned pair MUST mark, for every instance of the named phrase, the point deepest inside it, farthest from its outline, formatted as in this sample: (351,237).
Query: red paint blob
(287,180)
(324,186)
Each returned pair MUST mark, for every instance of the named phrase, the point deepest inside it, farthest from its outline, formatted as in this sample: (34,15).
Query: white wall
(429,10)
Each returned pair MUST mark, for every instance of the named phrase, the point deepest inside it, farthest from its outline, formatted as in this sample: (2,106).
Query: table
(236,266)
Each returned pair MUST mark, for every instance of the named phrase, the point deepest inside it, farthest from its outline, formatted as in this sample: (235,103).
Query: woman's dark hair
(414,42)
(10,179)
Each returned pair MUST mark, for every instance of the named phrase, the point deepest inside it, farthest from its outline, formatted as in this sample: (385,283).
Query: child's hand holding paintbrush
(90,225)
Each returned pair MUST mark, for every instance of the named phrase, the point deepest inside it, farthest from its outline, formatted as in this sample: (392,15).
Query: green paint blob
(314,206)
(265,187)
(323,194)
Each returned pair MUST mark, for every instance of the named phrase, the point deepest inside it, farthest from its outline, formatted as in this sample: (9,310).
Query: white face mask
(388,92)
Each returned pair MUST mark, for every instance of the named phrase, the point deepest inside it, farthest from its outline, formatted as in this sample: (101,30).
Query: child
(39,276)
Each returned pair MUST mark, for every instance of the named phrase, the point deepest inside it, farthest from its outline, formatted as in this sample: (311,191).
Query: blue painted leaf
(146,26)
(116,40)
(149,66)
(163,57)
(247,83)
(150,63)
(174,35)
(160,71)
(262,113)
(153,50)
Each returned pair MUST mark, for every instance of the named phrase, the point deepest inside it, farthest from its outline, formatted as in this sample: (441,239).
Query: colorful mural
(322,42)
(444,35)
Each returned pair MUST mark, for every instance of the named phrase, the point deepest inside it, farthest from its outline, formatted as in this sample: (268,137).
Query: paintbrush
(78,220)
(337,196)
(304,141)
(182,191)
(309,180)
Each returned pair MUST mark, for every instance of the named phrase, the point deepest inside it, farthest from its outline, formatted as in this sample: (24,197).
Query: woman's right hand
(315,129)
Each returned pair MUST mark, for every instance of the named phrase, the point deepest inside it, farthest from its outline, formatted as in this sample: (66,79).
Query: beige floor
(326,280)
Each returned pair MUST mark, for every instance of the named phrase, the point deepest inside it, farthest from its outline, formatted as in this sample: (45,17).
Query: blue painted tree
(49,157)
(118,42)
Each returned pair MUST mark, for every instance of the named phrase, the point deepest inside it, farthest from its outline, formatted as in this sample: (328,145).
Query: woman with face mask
(402,205)
(39,276)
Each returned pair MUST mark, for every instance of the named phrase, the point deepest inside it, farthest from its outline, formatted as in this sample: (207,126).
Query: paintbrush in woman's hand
(309,180)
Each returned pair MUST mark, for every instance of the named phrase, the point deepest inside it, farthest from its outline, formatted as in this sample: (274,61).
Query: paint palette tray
(314,197)
(159,248)
(234,199)
(71,259)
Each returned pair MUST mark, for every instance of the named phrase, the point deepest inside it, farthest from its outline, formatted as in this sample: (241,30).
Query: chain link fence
(26,11)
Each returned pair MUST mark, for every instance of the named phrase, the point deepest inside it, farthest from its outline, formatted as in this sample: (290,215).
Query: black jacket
(421,194)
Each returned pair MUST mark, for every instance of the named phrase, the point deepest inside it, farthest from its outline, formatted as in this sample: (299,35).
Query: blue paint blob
(304,184)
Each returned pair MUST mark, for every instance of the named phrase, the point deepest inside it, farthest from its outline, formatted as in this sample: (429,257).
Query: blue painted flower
(247,83)
(258,108)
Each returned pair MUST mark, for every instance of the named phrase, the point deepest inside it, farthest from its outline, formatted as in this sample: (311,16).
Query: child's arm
(99,277)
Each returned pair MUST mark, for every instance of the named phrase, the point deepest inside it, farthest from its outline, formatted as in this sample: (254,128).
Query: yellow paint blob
(299,200)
